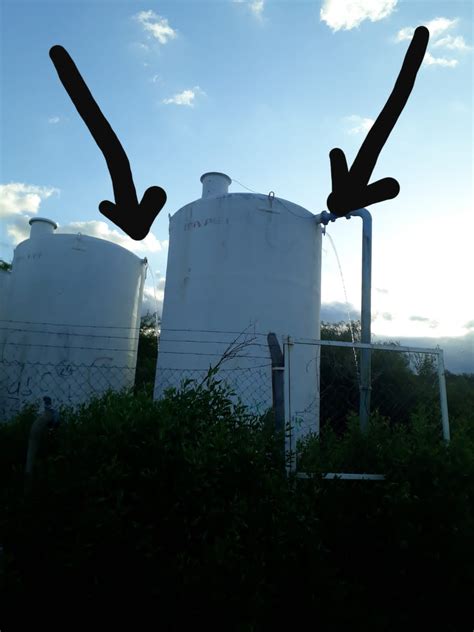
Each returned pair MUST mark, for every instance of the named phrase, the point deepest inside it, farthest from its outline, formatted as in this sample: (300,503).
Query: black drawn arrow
(350,187)
(132,217)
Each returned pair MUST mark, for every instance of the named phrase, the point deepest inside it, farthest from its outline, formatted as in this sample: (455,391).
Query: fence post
(278,392)
(443,396)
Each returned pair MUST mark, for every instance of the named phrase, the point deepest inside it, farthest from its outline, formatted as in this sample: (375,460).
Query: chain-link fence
(249,385)
(321,381)
(24,383)
(241,361)
(401,382)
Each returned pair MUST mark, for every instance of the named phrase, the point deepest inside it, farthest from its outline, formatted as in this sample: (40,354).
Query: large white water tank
(245,264)
(72,321)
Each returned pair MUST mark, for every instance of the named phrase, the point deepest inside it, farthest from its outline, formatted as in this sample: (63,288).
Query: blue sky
(262,91)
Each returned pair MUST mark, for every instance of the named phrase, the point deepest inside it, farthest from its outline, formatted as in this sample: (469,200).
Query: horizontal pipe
(362,345)
(343,476)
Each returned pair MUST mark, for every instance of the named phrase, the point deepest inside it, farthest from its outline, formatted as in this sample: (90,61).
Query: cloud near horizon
(153,299)
(99,229)
(433,324)
(18,230)
(337,312)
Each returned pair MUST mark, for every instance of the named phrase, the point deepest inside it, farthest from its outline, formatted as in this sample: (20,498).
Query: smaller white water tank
(71,325)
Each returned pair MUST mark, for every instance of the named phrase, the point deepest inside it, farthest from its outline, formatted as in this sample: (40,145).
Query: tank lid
(41,226)
(43,219)
(214,184)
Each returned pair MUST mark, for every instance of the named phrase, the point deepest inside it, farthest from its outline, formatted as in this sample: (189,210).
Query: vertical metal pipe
(365,354)
(278,388)
(443,396)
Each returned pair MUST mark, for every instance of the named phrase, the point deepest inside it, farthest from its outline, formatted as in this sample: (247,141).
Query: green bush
(181,508)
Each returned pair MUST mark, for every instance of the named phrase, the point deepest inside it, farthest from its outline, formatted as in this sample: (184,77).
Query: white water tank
(247,264)
(5,276)
(72,321)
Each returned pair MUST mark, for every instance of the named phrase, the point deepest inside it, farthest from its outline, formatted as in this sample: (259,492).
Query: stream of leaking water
(351,326)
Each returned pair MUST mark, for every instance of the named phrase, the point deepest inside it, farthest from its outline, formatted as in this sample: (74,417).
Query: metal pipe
(443,396)
(361,345)
(49,419)
(325,217)
(343,476)
(278,389)
(365,354)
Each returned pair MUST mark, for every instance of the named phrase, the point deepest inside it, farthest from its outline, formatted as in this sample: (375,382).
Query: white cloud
(18,229)
(156,26)
(405,34)
(351,13)
(155,79)
(459,107)
(99,229)
(429,60)
(153,299)
(452,43)
(54,119)
(336,312)
(185,98)
(17,197)
(256,6)
(357,124)
(432,324)
(435,27)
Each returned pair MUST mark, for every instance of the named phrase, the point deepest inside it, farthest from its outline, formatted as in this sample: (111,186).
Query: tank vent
(41,226)
(215,184)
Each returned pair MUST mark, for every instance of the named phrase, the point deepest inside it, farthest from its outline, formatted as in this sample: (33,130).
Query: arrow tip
(56,51)
(135,219)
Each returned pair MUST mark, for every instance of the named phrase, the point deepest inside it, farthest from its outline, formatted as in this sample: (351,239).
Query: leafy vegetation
(181,510)
(147,353)
(401,382)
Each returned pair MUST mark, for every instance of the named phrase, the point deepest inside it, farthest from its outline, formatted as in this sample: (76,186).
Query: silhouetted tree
(147,352)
